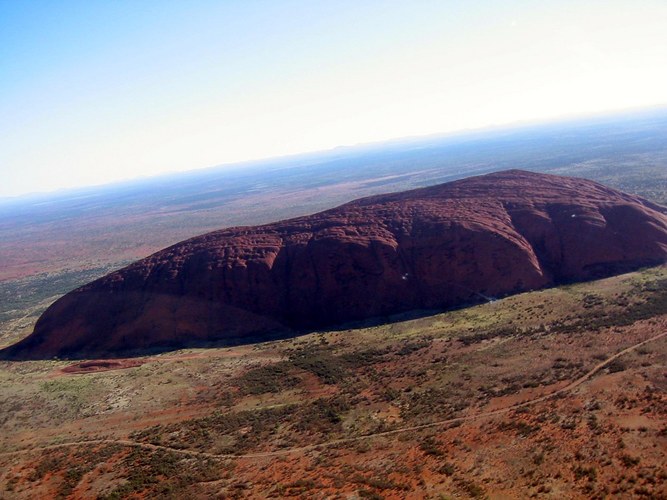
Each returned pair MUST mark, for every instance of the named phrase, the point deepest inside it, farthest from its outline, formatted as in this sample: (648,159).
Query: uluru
(431,248)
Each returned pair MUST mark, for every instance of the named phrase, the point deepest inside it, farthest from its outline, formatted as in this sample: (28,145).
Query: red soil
(102,365)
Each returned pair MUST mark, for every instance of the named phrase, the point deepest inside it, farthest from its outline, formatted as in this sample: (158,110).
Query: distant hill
(431,248)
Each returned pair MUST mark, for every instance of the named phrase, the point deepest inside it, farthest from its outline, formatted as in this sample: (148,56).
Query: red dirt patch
(102,365)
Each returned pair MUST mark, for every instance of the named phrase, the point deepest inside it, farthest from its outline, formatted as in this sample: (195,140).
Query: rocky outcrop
(432,248)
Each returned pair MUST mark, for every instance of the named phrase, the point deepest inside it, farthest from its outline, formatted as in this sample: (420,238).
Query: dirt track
(572,385)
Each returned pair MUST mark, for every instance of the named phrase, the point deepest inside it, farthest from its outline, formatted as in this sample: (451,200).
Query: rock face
(430,248)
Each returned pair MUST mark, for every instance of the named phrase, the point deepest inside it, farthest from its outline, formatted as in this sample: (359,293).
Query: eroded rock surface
(432,248)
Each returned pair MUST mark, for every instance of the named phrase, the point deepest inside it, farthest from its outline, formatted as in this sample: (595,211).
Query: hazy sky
(98,90)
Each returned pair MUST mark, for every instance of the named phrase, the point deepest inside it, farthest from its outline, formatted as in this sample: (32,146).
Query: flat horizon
(256,162)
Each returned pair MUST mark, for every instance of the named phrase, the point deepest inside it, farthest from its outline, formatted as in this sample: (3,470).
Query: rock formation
(426,249)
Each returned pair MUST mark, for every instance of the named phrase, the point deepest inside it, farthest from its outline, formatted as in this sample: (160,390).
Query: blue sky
(97,91)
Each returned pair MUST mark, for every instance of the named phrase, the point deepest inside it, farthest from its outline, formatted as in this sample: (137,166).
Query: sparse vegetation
(322,387)
(269,378)
(162,474)
(521,428)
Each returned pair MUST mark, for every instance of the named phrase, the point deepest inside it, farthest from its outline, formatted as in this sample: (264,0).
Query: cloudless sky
(95,91)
